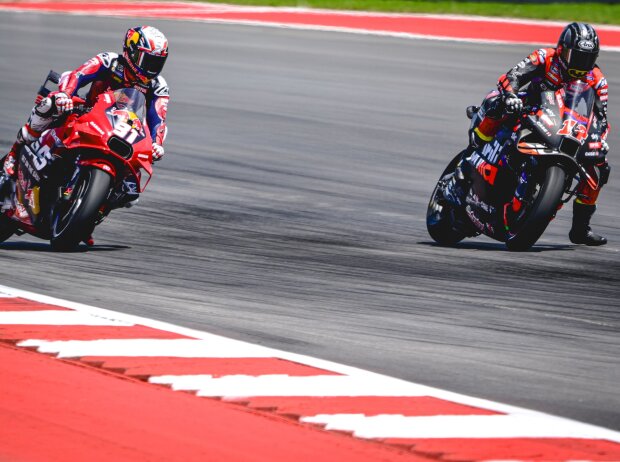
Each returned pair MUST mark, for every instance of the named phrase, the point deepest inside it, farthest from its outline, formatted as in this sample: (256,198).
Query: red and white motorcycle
(97,159)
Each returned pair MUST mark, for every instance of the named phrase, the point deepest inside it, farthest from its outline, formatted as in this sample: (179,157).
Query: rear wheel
(73,220)
(440,221)
(541,211)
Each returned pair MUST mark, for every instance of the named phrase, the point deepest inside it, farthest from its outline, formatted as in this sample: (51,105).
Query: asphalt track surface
(289,212)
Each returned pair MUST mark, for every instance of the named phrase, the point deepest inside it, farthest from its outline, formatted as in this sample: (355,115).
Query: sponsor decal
(32,196)
(97,128)
(91,66)
(549,98)
(161,88)
(143,156)
(543,128)
(161,107)
(27,162)
(586,45)
(57,141)
(22,213)
(105,58)
(486,170)
(491,151)
(592,154)
(474,219)
(475,201)
(553,75)
(596,145)
(547,120)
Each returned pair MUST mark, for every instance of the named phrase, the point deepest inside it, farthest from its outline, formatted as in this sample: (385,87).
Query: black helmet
(578,49)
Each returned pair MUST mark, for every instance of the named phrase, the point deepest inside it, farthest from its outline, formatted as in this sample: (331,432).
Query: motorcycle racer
(145,51)
(574,58)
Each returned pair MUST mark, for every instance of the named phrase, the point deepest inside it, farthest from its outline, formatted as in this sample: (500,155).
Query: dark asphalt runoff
(289,211)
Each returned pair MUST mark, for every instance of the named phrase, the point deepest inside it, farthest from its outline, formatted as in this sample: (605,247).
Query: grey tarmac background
(289,211)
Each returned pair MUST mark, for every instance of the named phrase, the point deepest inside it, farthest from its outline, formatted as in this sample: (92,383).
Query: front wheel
(74,219)
(440,215)
(542,210)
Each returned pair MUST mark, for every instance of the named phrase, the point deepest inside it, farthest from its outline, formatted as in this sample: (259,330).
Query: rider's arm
(157,110)
(524,71)
(602,92)
(91,70)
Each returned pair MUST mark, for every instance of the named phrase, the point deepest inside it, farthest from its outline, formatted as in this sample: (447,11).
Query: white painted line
(243,386)
(210,342)
(181,348)
(58,318)
(461,426)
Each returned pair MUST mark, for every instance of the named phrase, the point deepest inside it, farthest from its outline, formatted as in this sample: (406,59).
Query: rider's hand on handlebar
(513,103)
(158,152)
(63,103)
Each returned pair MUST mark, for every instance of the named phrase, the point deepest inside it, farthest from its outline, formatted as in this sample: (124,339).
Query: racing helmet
(578,49)
(145,51)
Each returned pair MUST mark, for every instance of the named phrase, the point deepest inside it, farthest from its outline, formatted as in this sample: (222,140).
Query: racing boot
(581,233)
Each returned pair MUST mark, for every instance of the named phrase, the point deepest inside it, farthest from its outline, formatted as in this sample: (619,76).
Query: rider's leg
(585,206)
(41,118)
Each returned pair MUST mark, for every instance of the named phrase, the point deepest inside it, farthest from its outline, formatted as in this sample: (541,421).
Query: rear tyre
(7,227)
(74,220)
(440,221)
(542,211)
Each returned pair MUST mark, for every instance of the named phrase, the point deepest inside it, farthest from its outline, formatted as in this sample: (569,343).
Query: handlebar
(79,106)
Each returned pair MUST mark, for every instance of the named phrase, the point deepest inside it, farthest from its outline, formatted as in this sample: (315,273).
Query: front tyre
(73,220)
(7,227)
(542,210)
(440,221)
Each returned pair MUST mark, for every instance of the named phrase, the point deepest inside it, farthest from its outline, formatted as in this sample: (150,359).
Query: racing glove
(513,103)
(62,102)
(158,152)
(593,153)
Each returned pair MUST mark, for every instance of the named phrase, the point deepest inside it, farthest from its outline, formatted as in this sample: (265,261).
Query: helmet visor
(578,63)
(151,65)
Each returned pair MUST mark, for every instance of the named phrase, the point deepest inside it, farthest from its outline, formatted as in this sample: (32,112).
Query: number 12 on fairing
(569,126)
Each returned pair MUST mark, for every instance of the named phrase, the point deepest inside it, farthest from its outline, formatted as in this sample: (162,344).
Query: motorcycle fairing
(491,184)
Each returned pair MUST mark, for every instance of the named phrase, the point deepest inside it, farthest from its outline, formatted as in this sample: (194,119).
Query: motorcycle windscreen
(128,118)
(579,100)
